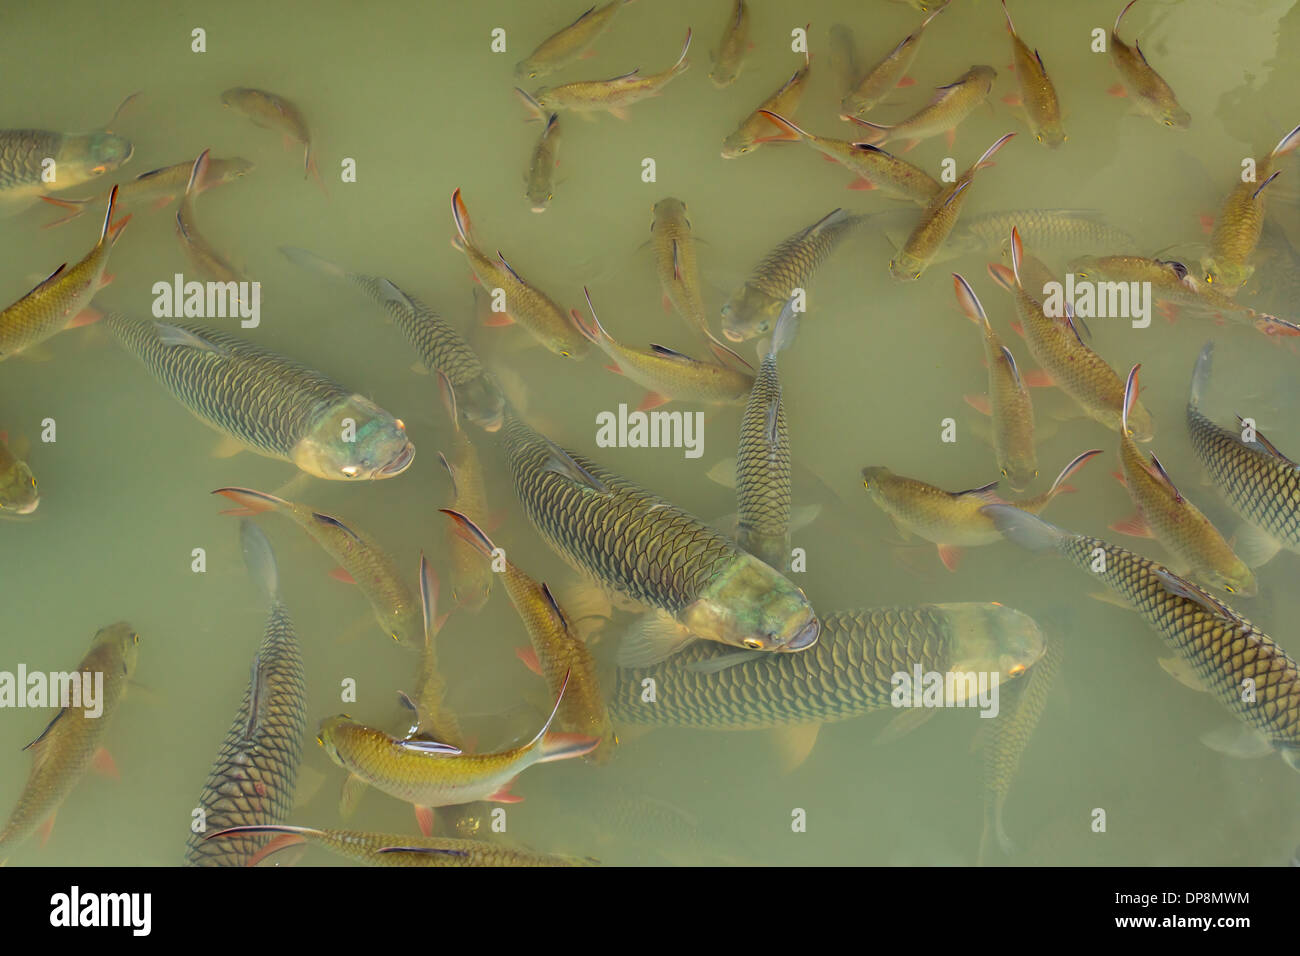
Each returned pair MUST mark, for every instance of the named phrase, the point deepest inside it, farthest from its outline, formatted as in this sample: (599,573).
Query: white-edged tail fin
(969,301)
(1068,471)
(1130,397)
(259,558)
(1026,530)
(1115,28)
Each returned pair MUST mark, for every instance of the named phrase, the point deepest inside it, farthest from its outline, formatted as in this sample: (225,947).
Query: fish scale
(763,472)
(405,850)
(21,153)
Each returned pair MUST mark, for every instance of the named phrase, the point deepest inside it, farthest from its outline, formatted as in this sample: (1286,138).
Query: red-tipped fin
(1134,526)
(341,574)
(980,403)
(969,301)
(1037,378)
(950,556)
(1059,486)
(104,764)
(424,820)
(470,532)
(254,501)
(529,658)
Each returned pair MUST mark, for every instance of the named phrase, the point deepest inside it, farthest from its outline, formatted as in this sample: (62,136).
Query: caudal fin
(969,301)
(471,532)
(1201,375)
(309,260)
(1026,530)
(260,559)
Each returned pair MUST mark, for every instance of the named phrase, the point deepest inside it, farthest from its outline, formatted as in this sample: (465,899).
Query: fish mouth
(539,209)
(732,335)
(400,463)
(806,637)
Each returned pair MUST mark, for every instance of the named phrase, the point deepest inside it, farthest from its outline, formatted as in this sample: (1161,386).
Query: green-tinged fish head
(482,403)
(874,479)
(1052,136)
(18,494)
(670,210)
(906,267)
(90,155)
(472,591)
(228,170)
(984,75)
(750,313)
(1020,473)
(1236,579)
(355,440)
(751,605)
(116,649)
(1175,117)
(991,638)
(329,733)
(238,97)
(737,144)
(1227,277)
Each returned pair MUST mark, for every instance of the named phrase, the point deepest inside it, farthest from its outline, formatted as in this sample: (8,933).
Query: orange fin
(498,320)
(529,657)
(338,574)
(950,556)
(862,183)
(424,818)
(652,400)
(1118,90)
(275,845)
(1134,525)
(47,828)
(907,81)
(1207,223)
(1119,476)
(162,202)
(950,137)
(980,403)
(505,796)
(87,316)
(1037,378)
(1013,99)
(103,763)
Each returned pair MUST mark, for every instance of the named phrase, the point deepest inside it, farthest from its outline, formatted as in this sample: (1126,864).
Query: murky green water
(417,98)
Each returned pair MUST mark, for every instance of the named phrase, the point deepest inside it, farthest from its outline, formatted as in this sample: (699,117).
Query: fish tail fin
(198,174)
(1201,375)
(969,301)
(460,216)
(566,746)
(1002,276)
(787,324)
(1287,143)
(789,132)
(259,558)
(311,169)
(471,532)
(78,207)
(429,588)
(253,502)
(1011,27)
(111,230)
(1017,254)
(1115,28)
(983,161)
(1059,486)
(1130,398)
(534,107)
(594,333)
(926,22)
(117,113)
(310,260)
(681,63)
(876,133)
(447,393)
(1026,530)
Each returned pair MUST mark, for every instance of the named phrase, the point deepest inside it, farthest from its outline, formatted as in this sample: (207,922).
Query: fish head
(906,267)
(1227,277)
(669,210)
(228,170)
(528,70)
(94,154)
(982,76)
(1175,117)
(355,440)
(1236,579)
(539,194)
(1019,473)
(1052,136)
(751,605)
(482,403)
(330,735)
(737,144)
(992,638)
(471,591)
(119,643)
(237,97)
(750,313)
(18,493)
(875,478)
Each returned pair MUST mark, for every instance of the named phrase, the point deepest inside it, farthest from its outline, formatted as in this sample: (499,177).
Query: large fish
(640,547)
(879,81)
(202,254)
(524,303)
(62,299)
(361,558)
(73,740)
(1227,652)
(1071,230)
(674,251)
(18,492)
(754,308)
(540,181)
(951,104)
(848,673)
(275,112)
(733,47)
(78,158)
(157,187)
(569,44)
(1260,483)
(252,781)
(1037,94)
(1151,94)
(471,581)
(442,348)
(1164,514)
(756,129)
(270,404)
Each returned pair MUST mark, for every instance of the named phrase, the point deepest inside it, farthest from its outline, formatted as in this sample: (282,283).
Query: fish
(18,492)
(1151,94)
(848,672)
(540,181)
(1257,481)
(673,243)
(844,60)
(430,774)
(1278,272)
(756,129)
(471,577)
(1164,514)
(732,48)
(1037,94)
(1008,398)
(937,221)
(570,44)
(1009,736)
(875,167)
(525,304)
(361,559)
(1241,222)
(950,105)
(612,96)
(201,253)
(267,403)
(1225,650)
(763,460)
(953,520)
(62,299)
(1056,346)
(275,112)
(754,308)
(642,548)
(441,346)
(558,654)
(79,158)
(73,740)
(434,719)
(157,187)
(1072,230)
(667,374)
(401,849)
(881,80)
(253,778)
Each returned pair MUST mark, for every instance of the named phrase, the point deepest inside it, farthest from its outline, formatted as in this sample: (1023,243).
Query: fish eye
(1039,138)
(1230,589)
(395,637)
(135,638)
(1169,122)
(1004,472)
(565,353)
(33,481)
(320,740)
(762,327)
(753,644)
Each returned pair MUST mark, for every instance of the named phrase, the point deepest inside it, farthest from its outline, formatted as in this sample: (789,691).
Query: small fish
(754,308)
(275,112)
(569,44)
(1037,94)
(844,60)
(268,403)
(1224,649)
(157,187)
(950,105)
(1260,483)
(429,774)
(78,158)
(253,778)
(937,221)
(18,494)
(609,96)
(525,304)
(673,243)
(433,718)
(1151,94)
(62,299)
(874,167)
(541,169)
(201,253)
(732,48)
(73,739)
(755,129)
(953,520)
(558,654)
(1056,346)
(361,559)
(1240,223)
(1008,398)
(1164,514)
(881,80)
(667,374)
(471,577)
(1072,230)
(400,849)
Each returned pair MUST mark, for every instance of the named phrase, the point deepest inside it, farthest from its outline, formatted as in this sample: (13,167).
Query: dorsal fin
(336,523)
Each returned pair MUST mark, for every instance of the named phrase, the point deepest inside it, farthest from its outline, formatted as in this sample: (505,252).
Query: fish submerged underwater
(912,280)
